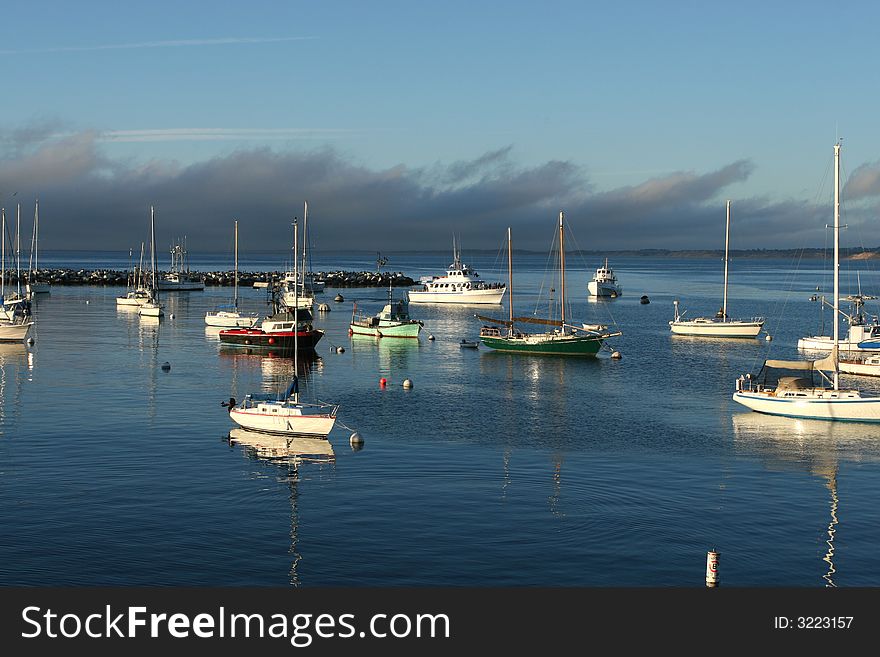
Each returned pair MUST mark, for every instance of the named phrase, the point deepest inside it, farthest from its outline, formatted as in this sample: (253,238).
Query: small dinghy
(468,344)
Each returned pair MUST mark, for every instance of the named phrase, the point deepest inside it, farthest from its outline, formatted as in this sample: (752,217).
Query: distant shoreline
(856,254)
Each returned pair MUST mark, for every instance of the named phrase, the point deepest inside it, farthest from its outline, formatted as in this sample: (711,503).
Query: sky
(402,123)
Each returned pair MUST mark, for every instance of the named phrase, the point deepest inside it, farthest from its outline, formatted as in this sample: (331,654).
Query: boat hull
(283,424)
(487,296)
(181,286)
(597,289)
(403,330)
(813,407)
(717,329)
(37,288)
(548,344)
(230,319)
(15,332)
(276,341)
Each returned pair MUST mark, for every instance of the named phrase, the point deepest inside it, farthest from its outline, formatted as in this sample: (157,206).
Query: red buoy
(382,382)
(271,340)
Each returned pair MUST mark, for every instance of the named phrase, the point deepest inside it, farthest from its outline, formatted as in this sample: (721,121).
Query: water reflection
(291,455)
(16,364)
(814,445)
(393,353)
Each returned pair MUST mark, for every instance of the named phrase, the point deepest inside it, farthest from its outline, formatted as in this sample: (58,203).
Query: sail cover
(828,364)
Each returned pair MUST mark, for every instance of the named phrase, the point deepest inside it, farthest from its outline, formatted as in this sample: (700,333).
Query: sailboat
(137,293)
(796,396)
(294,293)
(15,321)
(719,326)
(285,415)
(152,308)
(564,339)
(231,316)
(34,285)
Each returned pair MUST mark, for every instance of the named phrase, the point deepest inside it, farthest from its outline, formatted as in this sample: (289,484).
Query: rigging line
(547,269)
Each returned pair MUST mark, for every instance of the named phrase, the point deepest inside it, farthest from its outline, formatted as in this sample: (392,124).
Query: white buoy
(340,350)
(166,366)
(407,383)
(768,338)
(87,302)
(712,569)
(616,355)
(356,439)
(30,341)
(324,308)
(339,297)
(171,316)
(431,337)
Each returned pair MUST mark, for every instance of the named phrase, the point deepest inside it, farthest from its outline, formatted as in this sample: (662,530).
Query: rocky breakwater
(218,278)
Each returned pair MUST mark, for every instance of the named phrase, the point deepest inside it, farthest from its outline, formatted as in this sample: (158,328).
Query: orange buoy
(382,382)
(271,340)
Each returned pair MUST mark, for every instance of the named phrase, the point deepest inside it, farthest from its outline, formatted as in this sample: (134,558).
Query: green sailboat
(563,339)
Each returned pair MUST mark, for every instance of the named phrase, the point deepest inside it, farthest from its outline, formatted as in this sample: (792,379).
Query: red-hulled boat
(277,333)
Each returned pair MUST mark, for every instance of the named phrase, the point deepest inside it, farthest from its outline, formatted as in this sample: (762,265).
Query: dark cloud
(864,182)
(88,201)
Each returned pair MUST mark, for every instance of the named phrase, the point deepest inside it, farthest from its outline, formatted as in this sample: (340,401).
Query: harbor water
(492,470)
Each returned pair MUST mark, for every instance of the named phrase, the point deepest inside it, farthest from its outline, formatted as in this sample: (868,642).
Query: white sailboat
(15,319)
(231,317)
(137,293)
(719,326)
(286,415)
(152,308)
(34,284)
(294,293)
(797,396)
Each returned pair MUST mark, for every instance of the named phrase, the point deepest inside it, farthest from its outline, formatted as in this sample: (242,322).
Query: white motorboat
(604,283)
(721,325)
(860,336)
(231,316)
(461,284)
(799,396)
(285,414)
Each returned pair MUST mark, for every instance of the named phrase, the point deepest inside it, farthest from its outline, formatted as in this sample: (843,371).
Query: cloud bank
(90,201)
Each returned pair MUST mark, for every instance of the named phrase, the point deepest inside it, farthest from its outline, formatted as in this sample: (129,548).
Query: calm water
(492,470)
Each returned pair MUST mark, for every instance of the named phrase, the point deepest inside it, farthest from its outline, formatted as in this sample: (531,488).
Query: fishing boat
(563,339)
(294,293)
(461,284)
(393,322)
(799,396)
(721,325)
(152,308)
(137,294)
(861,334)
(34,284)
(287,329)
(231,316)
(604,283)
(180,278)
(286,414)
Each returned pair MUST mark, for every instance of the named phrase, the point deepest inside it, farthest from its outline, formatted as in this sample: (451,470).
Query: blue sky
(401,122)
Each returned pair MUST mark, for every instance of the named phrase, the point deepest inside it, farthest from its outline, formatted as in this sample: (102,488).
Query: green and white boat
(393,322)
(563,339)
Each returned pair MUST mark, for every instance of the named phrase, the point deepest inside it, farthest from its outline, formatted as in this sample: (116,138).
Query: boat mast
(33,247)
(562,268)
(18,248)
(305,239)
(36,235)
(295,319)
(726,247)
(235,280)
(836,261)
(139,283)
(509,281)
(3,258)
(155,291)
